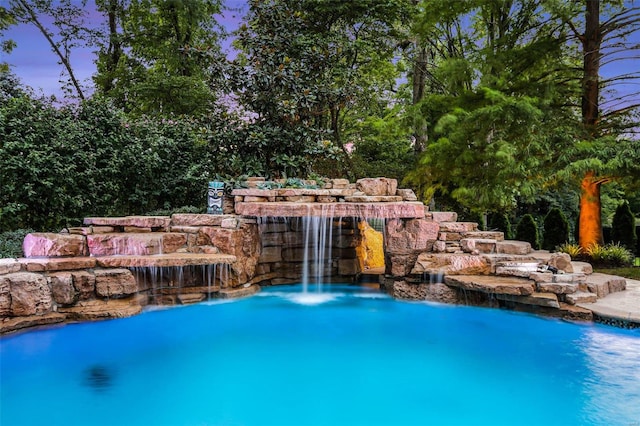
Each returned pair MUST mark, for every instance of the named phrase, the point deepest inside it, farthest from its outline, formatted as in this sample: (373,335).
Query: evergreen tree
(493,96)
(500,222)
(623,227)
(556,229)
(527,230)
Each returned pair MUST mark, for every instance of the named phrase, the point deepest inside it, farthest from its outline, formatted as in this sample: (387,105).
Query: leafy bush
(623,227)
(573,250)
(11,243)
(527,230)
(609,255)
(556,229)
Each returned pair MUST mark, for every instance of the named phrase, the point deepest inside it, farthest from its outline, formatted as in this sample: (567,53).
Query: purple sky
(37,66)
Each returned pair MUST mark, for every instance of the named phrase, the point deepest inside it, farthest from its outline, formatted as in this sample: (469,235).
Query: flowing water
(359,358)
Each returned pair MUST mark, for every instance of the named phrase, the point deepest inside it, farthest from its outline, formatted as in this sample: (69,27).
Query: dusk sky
(36,65)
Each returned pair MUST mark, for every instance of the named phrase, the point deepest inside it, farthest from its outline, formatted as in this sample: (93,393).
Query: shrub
(527,230)
(623,229)
(500,222)
(556,229)
(573,250)
(609,255)
(11,243)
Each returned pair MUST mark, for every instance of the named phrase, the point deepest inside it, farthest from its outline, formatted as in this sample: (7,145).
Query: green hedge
(58,165)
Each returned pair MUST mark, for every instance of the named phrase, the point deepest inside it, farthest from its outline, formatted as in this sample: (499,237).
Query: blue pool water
(352,357)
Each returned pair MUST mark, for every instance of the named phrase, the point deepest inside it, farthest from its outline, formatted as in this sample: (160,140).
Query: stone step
(513,247)
(373,199)
(491,235)
(441,216)
(603,284)
(133,221)
(478,245)
(49,244)
(57,263)
(581,297)
(458,227)
(125,243)
(535,299)
(522,269)
(391,210)
(164,260)
(491,284)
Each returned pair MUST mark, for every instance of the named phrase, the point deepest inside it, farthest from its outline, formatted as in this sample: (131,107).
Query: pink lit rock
(442,216)
(48,244)
(458,227)
(135,243)
(136,221)
(243,243)
(124,244)
(452,264)
(360,210)
(410,235)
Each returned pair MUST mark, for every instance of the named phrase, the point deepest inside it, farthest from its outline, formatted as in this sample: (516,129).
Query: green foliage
(556,229)
(11,242)
(58,165)
(573,250)
(161,57)
(623,229)
(609,255)
(500,222)
(306,68)
(527,230)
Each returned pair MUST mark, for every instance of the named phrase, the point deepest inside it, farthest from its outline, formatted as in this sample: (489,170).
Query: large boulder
(29,294)
(62,289)
(561,261)
(451,264)
(406,236)
(48,244)
(243,243)
(115,283)
(377,186)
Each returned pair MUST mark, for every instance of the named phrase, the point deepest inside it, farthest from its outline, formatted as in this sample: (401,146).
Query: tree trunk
(419,78)
(590,207)
(590,223)
(591,42)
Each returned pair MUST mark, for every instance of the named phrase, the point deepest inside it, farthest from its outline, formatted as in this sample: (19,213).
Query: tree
(6,20)
(604,153)
(67,30)
(161,57)
(527,230)
(556,229)
(305,66)
(491,113)
(623,227)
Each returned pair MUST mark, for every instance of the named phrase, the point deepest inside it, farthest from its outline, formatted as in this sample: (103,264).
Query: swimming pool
(350,357)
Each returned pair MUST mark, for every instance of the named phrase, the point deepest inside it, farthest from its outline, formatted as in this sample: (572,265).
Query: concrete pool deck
(623,306)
